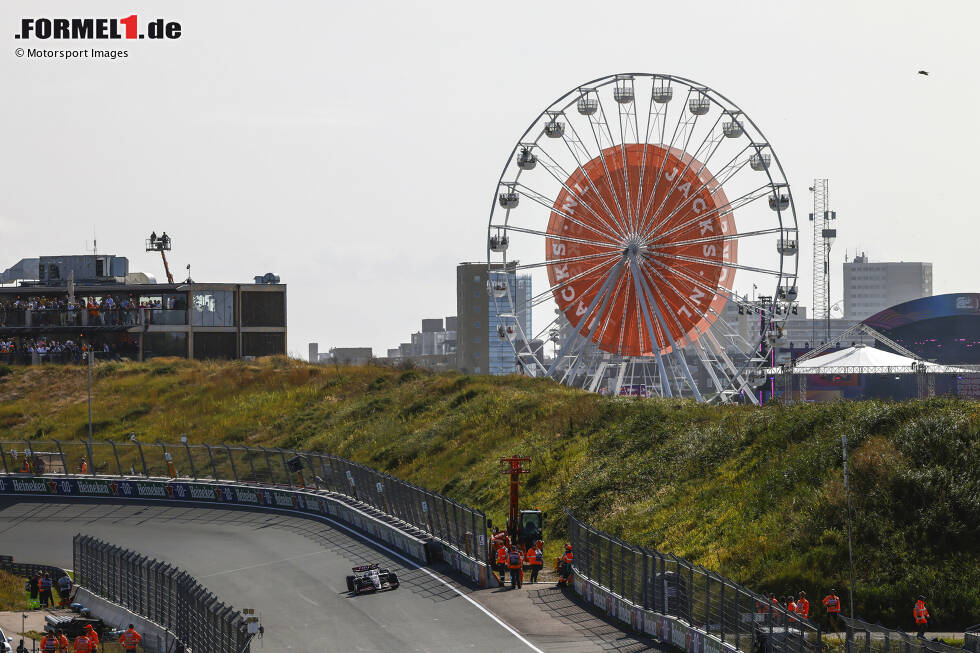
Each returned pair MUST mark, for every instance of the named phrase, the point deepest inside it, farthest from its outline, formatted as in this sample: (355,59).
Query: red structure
(515,467)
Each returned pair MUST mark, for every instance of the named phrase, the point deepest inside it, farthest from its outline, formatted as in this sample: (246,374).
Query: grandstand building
(50,319)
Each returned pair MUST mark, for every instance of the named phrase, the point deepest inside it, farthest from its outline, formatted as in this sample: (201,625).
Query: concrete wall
(156,638)
(667,629)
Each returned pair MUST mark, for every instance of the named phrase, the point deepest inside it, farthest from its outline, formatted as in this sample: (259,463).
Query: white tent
(861,359)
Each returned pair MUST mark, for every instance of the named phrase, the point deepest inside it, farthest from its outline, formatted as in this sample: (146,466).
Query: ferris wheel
(643,241)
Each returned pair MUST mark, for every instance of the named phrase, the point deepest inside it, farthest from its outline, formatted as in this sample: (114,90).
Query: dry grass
(753,493)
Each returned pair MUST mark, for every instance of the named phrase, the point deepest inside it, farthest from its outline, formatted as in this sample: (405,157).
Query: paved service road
(290,569)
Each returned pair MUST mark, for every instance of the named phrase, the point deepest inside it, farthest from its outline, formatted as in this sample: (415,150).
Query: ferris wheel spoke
(717,238)
(564,239)
(653,118)
(680,176)
(605,323)
(614,225)
(679,128)
(729,207)
(597,126)
(665,383)
(538,198)
(550,292)
(692,196)
(696,310)
(729,295)
(618,215)
(586,318)
(714,263)
(571,259)
(679,353)
(623,110)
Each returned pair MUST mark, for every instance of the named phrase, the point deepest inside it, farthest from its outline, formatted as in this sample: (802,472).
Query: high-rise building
(480,348)
(870,287)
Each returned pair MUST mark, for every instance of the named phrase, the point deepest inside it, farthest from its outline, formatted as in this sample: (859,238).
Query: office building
(484,339)
(871,287)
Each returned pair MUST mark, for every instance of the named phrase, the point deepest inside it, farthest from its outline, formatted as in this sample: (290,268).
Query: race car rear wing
(364,567)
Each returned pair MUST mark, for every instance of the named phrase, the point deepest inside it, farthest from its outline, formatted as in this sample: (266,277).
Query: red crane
(523,526)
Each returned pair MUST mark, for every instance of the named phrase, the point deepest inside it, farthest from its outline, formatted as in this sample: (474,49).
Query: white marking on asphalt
(404,559)
(396,554)
(307,599)
(263,564)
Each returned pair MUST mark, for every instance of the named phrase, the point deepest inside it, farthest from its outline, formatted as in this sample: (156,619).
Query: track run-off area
(291,570)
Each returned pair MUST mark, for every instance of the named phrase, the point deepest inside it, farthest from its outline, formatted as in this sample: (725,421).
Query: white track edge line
(363,536)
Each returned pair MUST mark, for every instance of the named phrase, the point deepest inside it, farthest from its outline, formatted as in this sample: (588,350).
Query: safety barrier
(161,593)
(680,602)
(699,610)
(865,638)
(971,639)
(26,570)
(460,527)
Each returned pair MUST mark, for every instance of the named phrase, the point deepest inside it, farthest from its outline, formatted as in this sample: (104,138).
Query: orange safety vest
(501,556)
(533,559)
(920,612)
(567,557)
(791,607)
(130,639)
(49,643)
(83,644)
(64,643)
(514,560)
(833,604)
(92,635)
(803,608)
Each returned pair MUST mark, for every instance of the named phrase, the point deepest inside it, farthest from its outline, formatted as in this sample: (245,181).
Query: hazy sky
(353,148)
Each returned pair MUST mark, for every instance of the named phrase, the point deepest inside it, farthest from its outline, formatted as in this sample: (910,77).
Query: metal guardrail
(719,607)
(672,586)
(26,569)
(867,638)
(971,639)
(439,516)
(161,593)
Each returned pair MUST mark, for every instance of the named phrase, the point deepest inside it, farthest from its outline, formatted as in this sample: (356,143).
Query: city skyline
(252,169)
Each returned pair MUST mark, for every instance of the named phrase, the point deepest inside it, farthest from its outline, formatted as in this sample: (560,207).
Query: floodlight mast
(160,244)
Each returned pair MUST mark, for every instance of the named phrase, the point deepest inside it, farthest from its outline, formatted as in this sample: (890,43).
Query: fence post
(3,455)
(115,454)
(214,470)
(190,458)
(146,472)
(285,467)
(64,465)
(231,459)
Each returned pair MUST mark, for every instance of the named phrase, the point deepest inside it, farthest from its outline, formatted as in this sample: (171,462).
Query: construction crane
(161,244)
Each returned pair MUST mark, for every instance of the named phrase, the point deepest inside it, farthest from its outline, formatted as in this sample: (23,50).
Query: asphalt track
(291,570)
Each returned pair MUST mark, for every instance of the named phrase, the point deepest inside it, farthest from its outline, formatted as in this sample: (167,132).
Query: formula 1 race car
(371,578)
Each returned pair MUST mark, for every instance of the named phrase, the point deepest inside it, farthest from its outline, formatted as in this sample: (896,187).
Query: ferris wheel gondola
(634,203)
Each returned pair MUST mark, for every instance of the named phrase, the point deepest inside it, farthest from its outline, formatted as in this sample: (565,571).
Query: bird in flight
(924,72)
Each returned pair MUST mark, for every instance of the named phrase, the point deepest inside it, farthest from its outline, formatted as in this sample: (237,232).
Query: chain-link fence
(672,586)
(875,638)
(161,593)
(456,524)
